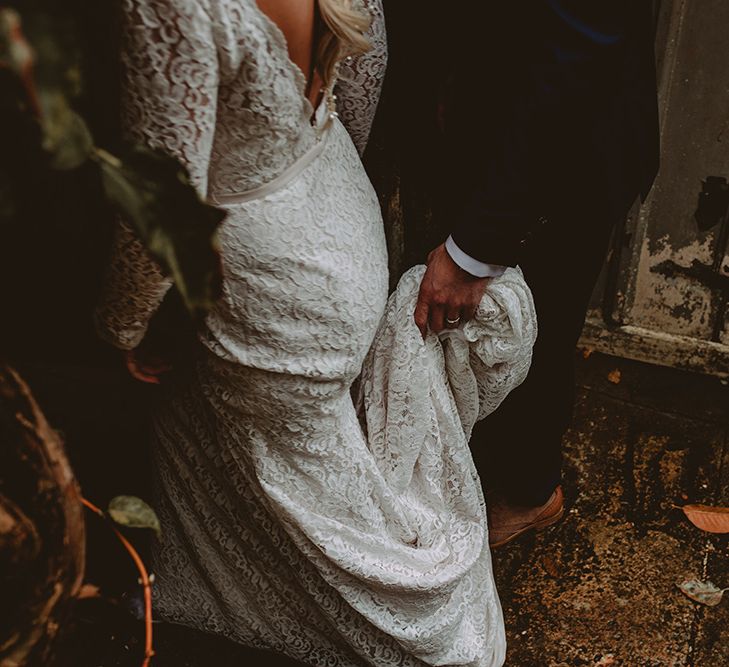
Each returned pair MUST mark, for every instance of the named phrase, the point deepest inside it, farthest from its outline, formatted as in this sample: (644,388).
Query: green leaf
(66,136)
(15,52)
(153,192)
(133,512)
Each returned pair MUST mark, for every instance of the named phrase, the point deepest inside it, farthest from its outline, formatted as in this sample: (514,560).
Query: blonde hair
(346,22)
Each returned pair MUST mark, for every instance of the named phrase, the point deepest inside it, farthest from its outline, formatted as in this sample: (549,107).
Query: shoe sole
(538,525)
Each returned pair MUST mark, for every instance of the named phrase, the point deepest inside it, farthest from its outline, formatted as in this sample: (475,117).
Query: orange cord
(146,583)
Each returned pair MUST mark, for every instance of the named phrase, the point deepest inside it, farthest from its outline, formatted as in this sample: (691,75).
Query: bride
(291,522)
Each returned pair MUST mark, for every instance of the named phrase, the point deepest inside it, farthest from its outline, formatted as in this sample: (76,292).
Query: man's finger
(436,317)
(453,318)
(468,312)
(421,315)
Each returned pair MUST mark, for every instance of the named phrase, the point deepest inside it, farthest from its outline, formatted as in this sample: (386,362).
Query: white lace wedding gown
(284,526)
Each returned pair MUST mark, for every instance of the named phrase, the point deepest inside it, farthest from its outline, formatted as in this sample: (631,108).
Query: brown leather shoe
(506,522)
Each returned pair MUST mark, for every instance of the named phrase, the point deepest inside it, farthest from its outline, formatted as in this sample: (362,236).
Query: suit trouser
(518,449)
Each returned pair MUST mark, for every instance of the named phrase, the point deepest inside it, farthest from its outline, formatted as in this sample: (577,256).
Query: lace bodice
(211,83)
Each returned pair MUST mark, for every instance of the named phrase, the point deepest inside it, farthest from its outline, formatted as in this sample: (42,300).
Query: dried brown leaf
(551,567)
(708,518)
(607,659)
(587,352)
(614,376)
(703,592)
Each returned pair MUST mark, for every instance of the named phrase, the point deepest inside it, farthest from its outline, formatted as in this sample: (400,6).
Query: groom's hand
(447,292)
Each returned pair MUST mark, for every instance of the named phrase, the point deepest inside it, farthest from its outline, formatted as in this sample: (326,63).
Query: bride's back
(318,33)
(237,79)
(297,21)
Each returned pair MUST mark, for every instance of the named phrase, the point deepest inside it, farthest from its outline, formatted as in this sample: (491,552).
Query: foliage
(49,149)
(133,512)
(59,187)
(153,192)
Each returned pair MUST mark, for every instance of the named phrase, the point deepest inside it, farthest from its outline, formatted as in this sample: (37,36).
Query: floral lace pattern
(360,82)
(212,84)
(293,520)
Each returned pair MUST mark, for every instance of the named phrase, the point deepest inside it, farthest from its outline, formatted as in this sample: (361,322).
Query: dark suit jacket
(549,107)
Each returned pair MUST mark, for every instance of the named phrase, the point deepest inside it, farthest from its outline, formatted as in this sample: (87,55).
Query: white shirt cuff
(471,265)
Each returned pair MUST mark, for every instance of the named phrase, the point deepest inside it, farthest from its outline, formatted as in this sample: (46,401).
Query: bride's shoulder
(227,14)
(170,8)
(214,9)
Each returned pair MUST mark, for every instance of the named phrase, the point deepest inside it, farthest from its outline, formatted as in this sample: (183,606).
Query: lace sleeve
(360,83)
(169,102)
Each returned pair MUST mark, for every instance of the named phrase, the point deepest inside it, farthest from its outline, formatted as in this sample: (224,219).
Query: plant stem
(146,583)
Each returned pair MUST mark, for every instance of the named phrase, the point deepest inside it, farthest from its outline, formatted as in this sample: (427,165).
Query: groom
(550,132)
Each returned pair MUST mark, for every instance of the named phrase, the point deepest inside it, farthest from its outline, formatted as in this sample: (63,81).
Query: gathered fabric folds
(343,537)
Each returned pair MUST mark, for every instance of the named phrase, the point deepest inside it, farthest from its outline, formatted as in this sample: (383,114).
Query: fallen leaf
(614,376)
(705,517)
(606,660)
(550,566)
(703,592)
(133,512)
(88,591)
(587,352)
